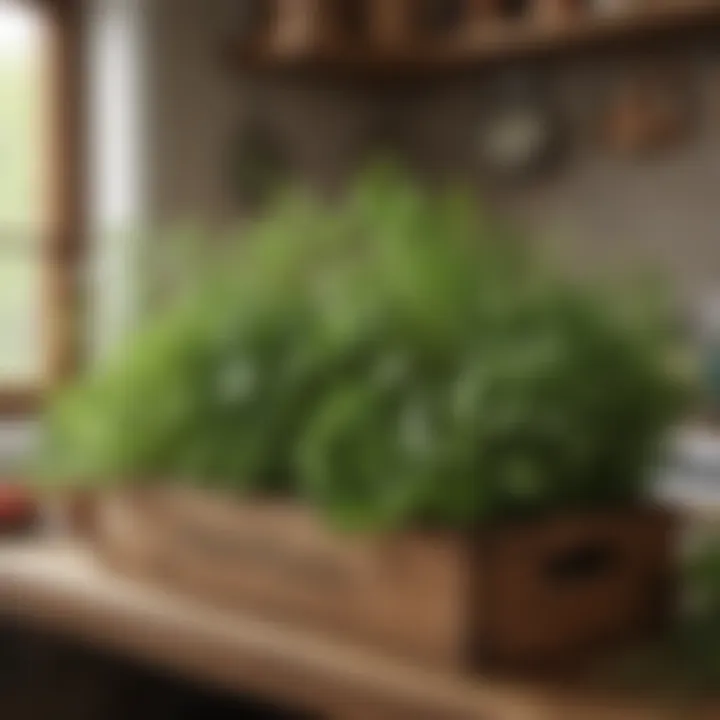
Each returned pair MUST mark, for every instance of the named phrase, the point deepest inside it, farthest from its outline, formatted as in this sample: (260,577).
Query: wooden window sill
(21,402)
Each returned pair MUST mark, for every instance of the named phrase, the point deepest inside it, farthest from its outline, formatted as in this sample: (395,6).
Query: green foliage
(397,357)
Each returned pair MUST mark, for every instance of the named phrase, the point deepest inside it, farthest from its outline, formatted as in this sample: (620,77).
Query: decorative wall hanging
(521,136)
(650,109)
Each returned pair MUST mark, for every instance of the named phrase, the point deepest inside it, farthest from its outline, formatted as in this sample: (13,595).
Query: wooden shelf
(63,589)
(19,402)
(495,41)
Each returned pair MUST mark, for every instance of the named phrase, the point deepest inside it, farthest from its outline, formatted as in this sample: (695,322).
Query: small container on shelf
(558,12)
(300,27)
(325,28)
(18,509)
(391,24)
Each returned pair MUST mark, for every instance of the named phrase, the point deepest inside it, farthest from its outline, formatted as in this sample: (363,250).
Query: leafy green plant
(397,357)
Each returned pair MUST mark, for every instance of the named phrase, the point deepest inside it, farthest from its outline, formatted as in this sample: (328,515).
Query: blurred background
(595,123)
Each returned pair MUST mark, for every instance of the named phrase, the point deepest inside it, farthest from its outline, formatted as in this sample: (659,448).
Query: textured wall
(596,208)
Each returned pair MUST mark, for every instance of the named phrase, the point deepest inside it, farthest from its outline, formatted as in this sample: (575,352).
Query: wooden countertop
(64,589)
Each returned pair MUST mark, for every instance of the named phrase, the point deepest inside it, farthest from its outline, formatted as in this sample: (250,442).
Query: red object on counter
(18,507)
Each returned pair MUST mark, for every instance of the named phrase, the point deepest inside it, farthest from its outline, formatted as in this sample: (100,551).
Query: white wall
(598,209)
(193,109)
(118,175)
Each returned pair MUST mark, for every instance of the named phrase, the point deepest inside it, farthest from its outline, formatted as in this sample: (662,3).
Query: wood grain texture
(66,242)
(480,41)
(19,402)
(523,595)
(406,593)
(63,589)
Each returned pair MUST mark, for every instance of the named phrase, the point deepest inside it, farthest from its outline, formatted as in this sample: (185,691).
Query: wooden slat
(19,402)
(67,221)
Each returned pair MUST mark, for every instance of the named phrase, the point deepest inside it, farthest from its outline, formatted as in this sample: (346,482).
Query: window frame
(63,245)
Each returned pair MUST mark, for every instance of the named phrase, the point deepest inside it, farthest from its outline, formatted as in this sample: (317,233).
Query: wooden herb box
(518,596)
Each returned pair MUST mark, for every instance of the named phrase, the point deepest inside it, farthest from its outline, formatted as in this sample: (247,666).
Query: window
(22,204)
(39,195)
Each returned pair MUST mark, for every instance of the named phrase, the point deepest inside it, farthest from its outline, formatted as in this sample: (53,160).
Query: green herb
(395,357)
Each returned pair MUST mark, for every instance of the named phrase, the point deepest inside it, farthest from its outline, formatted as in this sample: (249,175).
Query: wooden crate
(517,596)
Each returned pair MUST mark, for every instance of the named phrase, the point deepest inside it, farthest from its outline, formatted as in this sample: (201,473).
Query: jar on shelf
(558,11)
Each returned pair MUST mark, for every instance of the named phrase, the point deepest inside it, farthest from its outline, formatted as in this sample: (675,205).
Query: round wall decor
(521,133)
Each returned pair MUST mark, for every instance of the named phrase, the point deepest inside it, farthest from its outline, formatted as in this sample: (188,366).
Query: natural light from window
(22,192)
